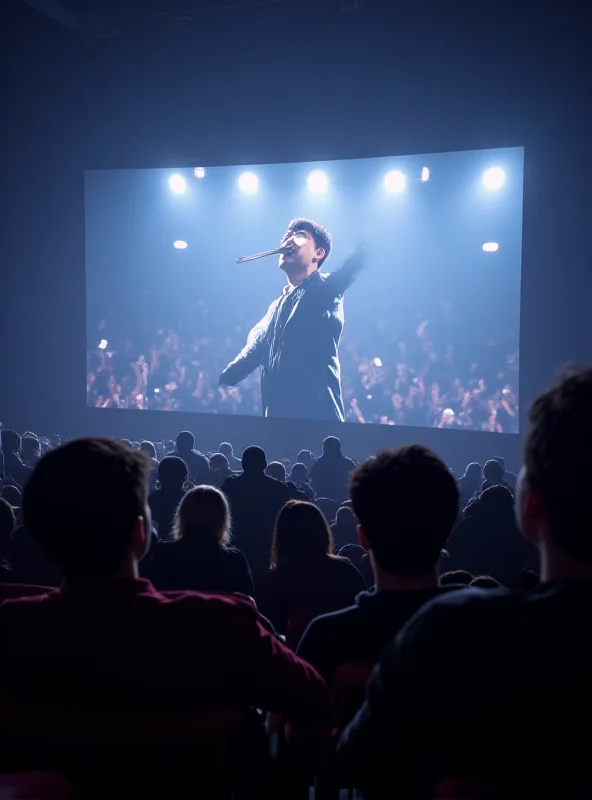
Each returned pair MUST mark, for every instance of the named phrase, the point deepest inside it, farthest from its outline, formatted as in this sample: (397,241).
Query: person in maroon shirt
(108,640)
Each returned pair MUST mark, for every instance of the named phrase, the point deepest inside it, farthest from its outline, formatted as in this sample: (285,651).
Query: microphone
(297,241)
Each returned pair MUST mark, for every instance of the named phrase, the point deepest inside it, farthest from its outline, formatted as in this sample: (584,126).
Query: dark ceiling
(113,18)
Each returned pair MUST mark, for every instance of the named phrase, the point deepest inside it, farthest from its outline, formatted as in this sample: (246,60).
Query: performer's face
(305,255)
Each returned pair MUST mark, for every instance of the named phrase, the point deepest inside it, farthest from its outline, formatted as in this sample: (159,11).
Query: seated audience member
(200,558)
(485,582)
(510,478)
(255,501)
(406,501)
(330,473)
(456,577)
(164,502)
(305,457)
(13,465)
(220,469)
(494,474)
(304,572)
(29,563)
(278,471)
(275,469)
(345,528)
(197,464)
(30,450)
(487,540)
(21,558)
(328,508)
(470,483)
(233,462)
(360,559)
(150,450)
(493,655)
(107,642)
(299,477)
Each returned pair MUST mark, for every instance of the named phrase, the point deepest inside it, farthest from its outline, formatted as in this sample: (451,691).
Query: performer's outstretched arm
(252,354)
(249,358)
(340,280)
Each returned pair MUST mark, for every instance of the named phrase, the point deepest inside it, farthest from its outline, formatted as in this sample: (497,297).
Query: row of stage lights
(317,181)
(488,247)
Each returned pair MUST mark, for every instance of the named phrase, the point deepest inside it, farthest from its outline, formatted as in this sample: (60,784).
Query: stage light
(177,183)
(425,175)
(394,181)
(490,247)
(494,178)
(157,390)
(199,172)
(180,245)
(377,362)
(103,344)
(317,181)
(248,183)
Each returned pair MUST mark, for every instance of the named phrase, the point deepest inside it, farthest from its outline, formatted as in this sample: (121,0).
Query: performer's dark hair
(322,237)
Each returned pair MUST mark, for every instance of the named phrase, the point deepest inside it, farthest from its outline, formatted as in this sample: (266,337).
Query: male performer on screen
(296,344)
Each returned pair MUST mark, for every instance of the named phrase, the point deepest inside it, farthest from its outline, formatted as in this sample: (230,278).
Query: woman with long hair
(305,578)
(200,556)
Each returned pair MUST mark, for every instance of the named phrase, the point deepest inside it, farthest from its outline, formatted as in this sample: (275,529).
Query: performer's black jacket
(296,344)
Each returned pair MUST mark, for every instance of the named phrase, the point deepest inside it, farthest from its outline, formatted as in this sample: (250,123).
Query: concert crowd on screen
(429,373)
(177,623)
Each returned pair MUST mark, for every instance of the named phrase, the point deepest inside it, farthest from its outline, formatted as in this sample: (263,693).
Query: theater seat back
(348,688)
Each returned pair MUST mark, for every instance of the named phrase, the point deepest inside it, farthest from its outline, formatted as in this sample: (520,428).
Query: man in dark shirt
(164,502)
(491,683)
(255,501)
(296,344)
(330,473)
(197,464)
(107,641)
(406,502)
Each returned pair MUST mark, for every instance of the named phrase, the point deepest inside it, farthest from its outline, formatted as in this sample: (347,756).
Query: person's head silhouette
(276,470)
(299,473)
(493,472)
(185,442)
(11,441)
(474,472)
(331,446)
(227,450)
(552,501)
(254,461)
(86,504)
(172,473)
(203,514)
(301,534)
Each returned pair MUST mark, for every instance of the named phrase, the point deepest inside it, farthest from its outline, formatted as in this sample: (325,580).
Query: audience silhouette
(200,557)
(172,476)
(489,653)
(329,474)
(255,501)
(150,584)
(305,576)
